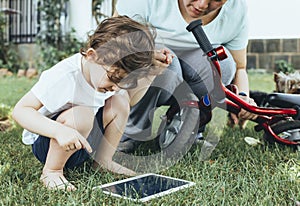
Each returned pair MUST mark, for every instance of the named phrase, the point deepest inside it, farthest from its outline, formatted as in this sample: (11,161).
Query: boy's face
(101,79)
(104,78)
(199,8)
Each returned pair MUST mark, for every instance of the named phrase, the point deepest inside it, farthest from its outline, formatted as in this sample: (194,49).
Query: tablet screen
(145,187)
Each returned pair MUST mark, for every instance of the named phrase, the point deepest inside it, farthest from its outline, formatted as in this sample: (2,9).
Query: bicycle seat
(283,100)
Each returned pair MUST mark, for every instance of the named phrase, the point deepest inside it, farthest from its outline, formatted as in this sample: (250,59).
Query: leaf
(252,141)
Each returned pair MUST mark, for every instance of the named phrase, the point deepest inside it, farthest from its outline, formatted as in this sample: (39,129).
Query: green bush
(283,66)
(55,45)
(9,57)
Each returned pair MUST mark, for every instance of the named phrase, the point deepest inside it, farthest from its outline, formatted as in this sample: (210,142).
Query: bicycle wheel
(287,130)
(178,132)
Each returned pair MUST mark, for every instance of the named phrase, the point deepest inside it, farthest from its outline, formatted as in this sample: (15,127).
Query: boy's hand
(70,139)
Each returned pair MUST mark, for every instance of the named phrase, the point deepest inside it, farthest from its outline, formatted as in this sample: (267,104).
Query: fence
(22,20)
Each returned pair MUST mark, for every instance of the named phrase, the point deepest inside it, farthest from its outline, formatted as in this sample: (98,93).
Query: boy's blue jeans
(41,145)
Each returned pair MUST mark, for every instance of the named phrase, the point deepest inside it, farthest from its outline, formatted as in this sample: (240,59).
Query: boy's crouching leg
(79,118)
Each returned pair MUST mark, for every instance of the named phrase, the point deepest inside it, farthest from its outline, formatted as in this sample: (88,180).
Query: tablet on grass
(144,187)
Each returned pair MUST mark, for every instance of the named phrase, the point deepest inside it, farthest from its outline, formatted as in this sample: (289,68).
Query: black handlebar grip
(196,28)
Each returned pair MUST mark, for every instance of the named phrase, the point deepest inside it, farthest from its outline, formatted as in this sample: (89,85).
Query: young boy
(58,113)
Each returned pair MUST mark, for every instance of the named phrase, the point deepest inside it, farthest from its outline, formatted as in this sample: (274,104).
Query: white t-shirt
(229,28)
(62,87)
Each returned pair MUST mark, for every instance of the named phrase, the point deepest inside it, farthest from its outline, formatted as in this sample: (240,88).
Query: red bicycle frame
(231,101)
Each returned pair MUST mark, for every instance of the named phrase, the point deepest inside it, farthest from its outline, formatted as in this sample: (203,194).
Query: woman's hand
(162,58)
(243,115)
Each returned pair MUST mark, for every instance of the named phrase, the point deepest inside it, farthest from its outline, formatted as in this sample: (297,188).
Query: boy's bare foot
(56,180)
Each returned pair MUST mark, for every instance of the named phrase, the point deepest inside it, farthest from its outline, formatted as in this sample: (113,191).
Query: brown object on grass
(5,125)
(287,83)
(31,72)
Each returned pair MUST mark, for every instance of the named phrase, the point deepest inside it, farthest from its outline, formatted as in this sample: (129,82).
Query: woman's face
(198,8)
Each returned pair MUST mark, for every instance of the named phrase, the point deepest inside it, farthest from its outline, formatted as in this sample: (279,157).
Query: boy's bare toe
(55,180)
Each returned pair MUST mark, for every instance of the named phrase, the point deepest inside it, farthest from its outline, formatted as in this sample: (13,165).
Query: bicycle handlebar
(196,28)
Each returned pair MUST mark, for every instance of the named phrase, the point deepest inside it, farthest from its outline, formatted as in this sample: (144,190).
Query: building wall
(263,53)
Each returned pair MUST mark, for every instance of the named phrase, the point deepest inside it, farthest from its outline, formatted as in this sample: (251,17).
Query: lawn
(235,173)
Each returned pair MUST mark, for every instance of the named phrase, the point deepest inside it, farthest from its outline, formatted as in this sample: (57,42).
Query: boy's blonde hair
(124,43)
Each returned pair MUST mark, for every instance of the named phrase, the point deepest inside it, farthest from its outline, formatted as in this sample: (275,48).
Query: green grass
(235,173)
(261,81)
(12,89)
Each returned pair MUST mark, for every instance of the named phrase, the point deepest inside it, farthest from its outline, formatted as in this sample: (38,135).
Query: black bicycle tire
(187,133)
(280,127)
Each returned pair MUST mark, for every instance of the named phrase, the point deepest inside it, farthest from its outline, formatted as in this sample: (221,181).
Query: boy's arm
(26,114)
(111,138)
(105,154)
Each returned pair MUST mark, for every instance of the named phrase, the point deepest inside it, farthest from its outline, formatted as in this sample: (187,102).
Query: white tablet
(144,187)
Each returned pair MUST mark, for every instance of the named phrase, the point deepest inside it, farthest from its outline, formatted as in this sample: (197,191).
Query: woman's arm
(242,82)
(115,13)
(162,59)
(241,76)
